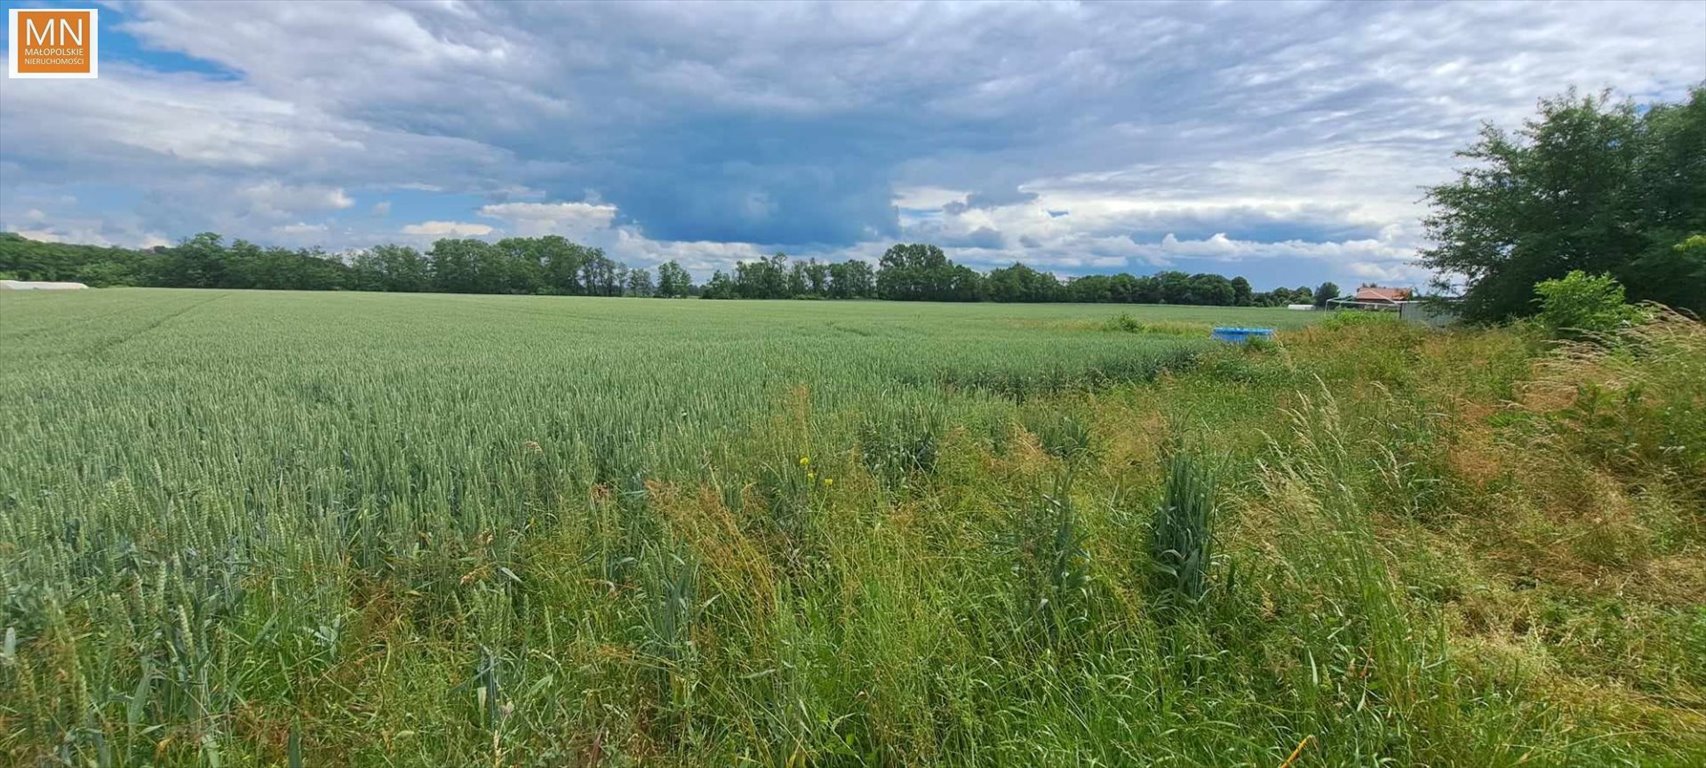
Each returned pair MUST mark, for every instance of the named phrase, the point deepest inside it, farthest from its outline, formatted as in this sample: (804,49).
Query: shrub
(1355,318)
(1125,323)
(1580,303)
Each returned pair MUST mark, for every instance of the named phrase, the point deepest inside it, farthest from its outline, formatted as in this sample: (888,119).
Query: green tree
(1583,303)
(1173,288)
(798,284)
(201,261)
(453,265)
(1326,292)
(1147,290)
(1123,288)
(721,286)
(1671,186)
(762,278)
(960,283)
(561,263)
(1021,283)
(1241,291)
(520,265)
(640,282)
(1681,278)
(921,272)
(817,278)
(1210,290)
(105,274)
(673,281)
(402,268)
(1090,289)
(599,275)
(852,279)
(1588,184)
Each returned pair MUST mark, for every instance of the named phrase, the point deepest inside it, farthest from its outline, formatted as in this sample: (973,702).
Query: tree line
(515,265)
(553,265)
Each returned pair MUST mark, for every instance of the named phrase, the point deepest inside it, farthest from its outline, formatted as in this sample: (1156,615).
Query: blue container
(1243,335)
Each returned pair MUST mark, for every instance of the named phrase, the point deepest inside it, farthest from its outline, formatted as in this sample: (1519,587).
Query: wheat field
(317,529)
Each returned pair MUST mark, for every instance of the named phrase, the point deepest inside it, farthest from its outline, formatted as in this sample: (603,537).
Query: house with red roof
(1374,297)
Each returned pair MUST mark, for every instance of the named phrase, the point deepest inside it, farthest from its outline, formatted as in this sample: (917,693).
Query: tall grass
(1181,543)
(428,530)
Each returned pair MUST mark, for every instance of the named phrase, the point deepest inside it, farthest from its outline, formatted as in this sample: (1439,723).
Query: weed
(1181,540)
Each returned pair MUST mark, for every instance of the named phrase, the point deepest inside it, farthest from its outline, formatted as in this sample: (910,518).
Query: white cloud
(568,219)
(1253,133)
(50,236)
(446,229)
(274,199)
(926,198)
(700,257)
(1216,246)
(300,228)
(1221,248)
(58,218)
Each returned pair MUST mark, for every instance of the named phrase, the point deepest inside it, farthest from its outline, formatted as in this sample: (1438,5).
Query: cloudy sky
(1287,143)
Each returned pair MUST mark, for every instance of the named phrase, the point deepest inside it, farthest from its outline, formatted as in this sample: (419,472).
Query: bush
(1356,318)
(1125,323)
(1580,303)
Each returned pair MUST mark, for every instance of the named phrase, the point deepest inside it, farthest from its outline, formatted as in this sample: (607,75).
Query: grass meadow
(274,528)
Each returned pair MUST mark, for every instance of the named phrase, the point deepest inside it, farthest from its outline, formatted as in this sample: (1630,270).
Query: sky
(1289,143)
